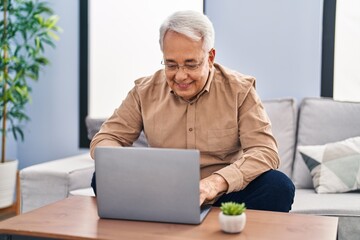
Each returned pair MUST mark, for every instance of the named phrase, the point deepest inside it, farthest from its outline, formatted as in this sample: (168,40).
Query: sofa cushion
(51,181)
(83,192)
(341,204)
(282,114)
(321,121)
(334,167)
(94,124)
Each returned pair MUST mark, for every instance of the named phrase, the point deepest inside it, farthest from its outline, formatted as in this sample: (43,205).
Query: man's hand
(211,186)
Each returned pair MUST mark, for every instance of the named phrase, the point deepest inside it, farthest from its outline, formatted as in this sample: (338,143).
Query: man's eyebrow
(169,60)
(190,61)
(186,61)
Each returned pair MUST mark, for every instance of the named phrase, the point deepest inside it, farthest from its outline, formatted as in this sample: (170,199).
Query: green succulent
(233,208)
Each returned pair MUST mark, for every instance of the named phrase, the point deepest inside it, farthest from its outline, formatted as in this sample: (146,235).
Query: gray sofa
(315,121)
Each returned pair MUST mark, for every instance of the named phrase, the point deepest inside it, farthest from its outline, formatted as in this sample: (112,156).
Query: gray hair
(192,24)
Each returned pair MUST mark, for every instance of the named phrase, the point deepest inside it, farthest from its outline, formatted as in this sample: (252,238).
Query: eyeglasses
(187,68)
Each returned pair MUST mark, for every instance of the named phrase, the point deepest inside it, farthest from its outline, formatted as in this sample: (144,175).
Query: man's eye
(172,66)
(191,66)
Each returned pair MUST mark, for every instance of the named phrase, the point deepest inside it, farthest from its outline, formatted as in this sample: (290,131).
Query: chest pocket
(223,141)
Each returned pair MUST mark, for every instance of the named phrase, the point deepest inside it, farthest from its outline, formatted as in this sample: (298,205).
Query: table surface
(76,218)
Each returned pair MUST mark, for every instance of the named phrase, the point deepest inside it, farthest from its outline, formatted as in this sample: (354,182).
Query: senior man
(195,103)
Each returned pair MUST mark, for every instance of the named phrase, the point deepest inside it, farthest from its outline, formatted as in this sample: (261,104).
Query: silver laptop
(149,184)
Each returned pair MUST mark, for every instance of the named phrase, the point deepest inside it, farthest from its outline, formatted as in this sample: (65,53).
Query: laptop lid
(148,184)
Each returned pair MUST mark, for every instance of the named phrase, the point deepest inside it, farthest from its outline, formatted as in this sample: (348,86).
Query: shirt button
(190,129)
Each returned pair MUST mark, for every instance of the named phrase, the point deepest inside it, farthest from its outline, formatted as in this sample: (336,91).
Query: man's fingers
(205,191)
(202,194)
(202,199)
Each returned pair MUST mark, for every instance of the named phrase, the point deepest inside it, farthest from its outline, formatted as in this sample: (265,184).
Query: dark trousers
(272,191)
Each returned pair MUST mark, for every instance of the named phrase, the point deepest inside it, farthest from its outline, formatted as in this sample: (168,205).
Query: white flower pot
(232,224)
(7,182)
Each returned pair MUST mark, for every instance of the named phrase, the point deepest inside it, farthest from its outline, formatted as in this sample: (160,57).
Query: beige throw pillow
(334,167)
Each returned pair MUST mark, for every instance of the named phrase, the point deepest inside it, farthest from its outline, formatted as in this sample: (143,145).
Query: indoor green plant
(26,28)
(232,217)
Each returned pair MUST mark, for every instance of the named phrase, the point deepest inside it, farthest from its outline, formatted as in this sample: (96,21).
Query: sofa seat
(45,183)
(89,192)
(330,204)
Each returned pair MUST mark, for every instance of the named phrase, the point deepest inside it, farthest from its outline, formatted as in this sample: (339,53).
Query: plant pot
(232,223)
(7,182)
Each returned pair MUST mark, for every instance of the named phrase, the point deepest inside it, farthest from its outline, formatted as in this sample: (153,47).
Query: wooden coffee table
(76,218)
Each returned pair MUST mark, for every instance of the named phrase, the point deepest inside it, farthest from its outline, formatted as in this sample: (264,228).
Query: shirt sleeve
(260,152)
(123,127)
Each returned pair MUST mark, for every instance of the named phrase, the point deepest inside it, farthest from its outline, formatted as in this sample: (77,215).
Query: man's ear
(212,55)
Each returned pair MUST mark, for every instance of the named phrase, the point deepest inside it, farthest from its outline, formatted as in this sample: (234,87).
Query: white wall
(347,51)
(126,50)
(276,41)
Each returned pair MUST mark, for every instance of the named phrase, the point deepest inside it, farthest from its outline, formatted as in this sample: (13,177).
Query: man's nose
(180,74)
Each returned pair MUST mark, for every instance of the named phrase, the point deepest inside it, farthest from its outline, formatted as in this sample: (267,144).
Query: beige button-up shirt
(226,122)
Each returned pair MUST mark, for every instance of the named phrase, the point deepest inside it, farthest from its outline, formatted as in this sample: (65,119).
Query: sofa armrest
(44,183)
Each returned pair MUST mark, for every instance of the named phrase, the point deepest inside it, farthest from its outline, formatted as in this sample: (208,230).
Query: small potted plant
(232,217)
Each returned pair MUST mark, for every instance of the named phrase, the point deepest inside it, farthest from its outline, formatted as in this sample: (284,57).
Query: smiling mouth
(184,85)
